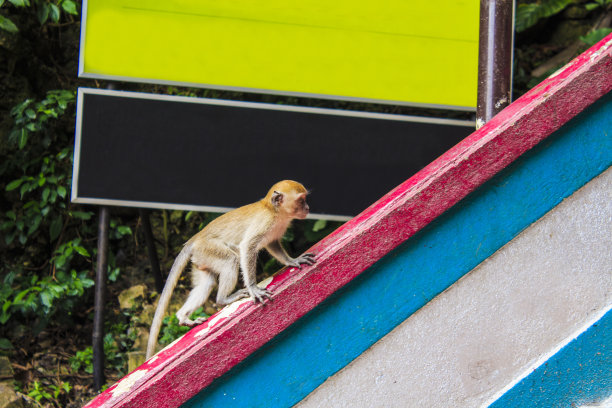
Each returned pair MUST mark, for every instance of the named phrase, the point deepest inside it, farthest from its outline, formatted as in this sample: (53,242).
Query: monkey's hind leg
(203,283)
(228,277)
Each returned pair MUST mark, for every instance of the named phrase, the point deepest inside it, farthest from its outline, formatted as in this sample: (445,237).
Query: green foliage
(46,11)
(529,14)
(44,296)
(50,393)
(62,388)
(38,392)
(40,215)
(32,116)
(595,36)
(171,330)
(83,360)
(5,344)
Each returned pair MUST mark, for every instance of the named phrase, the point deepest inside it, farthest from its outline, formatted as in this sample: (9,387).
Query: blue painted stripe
(580,373)
(293,364)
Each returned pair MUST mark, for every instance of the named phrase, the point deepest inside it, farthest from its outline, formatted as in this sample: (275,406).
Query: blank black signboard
(160,151)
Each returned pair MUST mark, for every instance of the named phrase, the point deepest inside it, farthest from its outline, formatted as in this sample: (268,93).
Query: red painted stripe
(182,370)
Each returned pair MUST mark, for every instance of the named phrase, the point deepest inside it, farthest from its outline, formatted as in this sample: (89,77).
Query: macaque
(231,243)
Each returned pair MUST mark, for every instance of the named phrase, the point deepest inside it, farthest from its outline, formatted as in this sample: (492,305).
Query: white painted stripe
(496,324)
(529,369)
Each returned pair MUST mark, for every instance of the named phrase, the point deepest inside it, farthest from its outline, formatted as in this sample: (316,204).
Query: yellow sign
(400,51)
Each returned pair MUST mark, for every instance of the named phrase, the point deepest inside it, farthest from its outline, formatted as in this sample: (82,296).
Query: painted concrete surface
(498,323)
(580,374)
(293,364)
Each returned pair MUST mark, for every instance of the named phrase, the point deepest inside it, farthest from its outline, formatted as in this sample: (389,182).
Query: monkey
(231,243)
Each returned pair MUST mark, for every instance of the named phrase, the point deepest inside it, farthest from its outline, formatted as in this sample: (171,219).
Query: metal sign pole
(146,226)
(495,49)
(98,324)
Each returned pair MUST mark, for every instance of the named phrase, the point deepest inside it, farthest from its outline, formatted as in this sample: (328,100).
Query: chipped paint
(169,346)
(479,123)
(128,382)
(223,314)
(264,283)
(601,50)
(501,102)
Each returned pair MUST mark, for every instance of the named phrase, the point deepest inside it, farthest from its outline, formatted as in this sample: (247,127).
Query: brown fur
(232,242)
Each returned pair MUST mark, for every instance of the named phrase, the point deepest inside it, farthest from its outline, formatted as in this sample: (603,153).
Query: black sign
(162,151)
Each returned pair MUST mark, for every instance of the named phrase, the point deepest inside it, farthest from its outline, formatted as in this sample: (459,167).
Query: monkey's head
(289,199)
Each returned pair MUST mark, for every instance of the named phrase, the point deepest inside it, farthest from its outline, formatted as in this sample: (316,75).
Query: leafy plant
(38,392)
(61,388)
(83,360)
(43,296)
(45,11)
(529,14)
(171,330)
(595,36)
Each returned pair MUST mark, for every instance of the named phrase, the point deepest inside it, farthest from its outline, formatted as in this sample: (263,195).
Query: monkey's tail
(178,266)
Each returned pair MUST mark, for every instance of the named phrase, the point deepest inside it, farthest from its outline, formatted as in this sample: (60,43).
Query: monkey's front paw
(258,294)
(307,258)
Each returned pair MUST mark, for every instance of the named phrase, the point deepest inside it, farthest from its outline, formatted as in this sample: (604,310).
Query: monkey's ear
(277,198)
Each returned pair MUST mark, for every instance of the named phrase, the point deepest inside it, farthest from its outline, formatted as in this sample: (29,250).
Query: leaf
(61,191)
(55,228)
(13,185)
(113,275)
(30,113)
(23,138)
(88,283)
(43,12)
(69,6)
(81,251)
(124,230)
(529,14)
(21,295)
(24,189)
(81,215)
(7,25)
(18,110)
(35,224)
(45,194)
(54,12)
(46,299)
(60,261)
(5,344)
(595,36)
(8,238)
(591,6)
(20,3)
(319,225)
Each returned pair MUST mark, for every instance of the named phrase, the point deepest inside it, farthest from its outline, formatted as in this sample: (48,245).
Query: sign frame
(76,197)
(84,73)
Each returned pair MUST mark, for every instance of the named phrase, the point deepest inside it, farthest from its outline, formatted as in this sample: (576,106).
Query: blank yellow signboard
(420,52)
